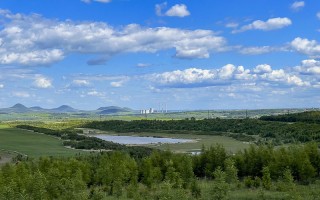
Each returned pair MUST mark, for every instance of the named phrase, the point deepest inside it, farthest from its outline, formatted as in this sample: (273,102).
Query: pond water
(140,140)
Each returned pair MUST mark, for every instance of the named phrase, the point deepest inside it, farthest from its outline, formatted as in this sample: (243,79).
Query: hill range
(20,108)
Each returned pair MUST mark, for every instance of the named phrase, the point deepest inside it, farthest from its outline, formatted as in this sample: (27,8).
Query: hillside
(113,110)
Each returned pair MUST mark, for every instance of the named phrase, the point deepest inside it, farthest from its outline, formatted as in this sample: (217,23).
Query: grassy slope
(32,144)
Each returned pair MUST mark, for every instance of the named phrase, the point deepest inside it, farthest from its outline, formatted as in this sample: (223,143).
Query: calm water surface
(140,140)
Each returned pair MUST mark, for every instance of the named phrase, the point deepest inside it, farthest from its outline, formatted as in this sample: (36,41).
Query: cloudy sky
(189,54)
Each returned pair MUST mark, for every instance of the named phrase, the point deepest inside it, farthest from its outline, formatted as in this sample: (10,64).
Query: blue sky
(208,54)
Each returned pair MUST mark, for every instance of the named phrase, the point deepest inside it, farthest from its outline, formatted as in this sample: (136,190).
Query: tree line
(306,117)
(161,175)
(241,129)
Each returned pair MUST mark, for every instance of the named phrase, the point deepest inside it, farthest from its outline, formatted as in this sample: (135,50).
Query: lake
(140,140)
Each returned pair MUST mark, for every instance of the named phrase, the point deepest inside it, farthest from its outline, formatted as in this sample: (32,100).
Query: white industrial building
(147,111)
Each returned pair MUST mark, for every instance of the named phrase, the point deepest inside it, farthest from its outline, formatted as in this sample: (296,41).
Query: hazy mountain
(37,109)
(113,110)
(17,108)
(20,108)
(64,109)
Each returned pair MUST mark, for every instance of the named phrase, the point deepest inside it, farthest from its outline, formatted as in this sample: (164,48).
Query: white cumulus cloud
(261,69)
(227,71)
(305,46)
(1,86)
(178,10)
(270,24)
(310,66)
(34,40)
(42,82)
(230,74)
(297,5)
(37,57)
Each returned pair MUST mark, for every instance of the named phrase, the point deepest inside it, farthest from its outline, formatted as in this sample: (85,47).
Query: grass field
(229,143)
(32,144)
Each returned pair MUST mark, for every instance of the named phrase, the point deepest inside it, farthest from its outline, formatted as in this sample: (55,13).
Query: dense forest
(164,175)
(307,117)
(241,129)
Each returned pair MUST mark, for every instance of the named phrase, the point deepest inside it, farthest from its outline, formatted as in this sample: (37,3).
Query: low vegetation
(260,172)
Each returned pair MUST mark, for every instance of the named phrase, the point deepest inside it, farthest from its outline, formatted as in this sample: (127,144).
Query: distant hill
(37,109)
(20,108)
(113,110)
(17,108)
(64,109)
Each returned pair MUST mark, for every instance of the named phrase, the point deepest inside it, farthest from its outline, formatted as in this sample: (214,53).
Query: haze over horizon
(236,54)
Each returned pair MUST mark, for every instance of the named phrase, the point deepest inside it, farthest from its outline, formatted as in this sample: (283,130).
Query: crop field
(31,144)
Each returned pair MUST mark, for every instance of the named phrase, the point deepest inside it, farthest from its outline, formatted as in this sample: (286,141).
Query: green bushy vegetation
(307,117)
(240,129)
(214,174)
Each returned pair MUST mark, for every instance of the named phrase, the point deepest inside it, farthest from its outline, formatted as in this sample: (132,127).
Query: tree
(287,181)
(231,171)
(266,179)
(219,188)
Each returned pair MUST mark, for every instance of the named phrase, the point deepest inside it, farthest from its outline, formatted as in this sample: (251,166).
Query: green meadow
(13,140)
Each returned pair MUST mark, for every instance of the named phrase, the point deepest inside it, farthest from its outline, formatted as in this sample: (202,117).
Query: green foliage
(166,166)
(211,158)
(165,175)
(97,194)
(256,182)
(266,179)
(240,129)
(220,187)
(307,117)
(248,182)
(166,191)
(286,183)
(231,171)
(195,189)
